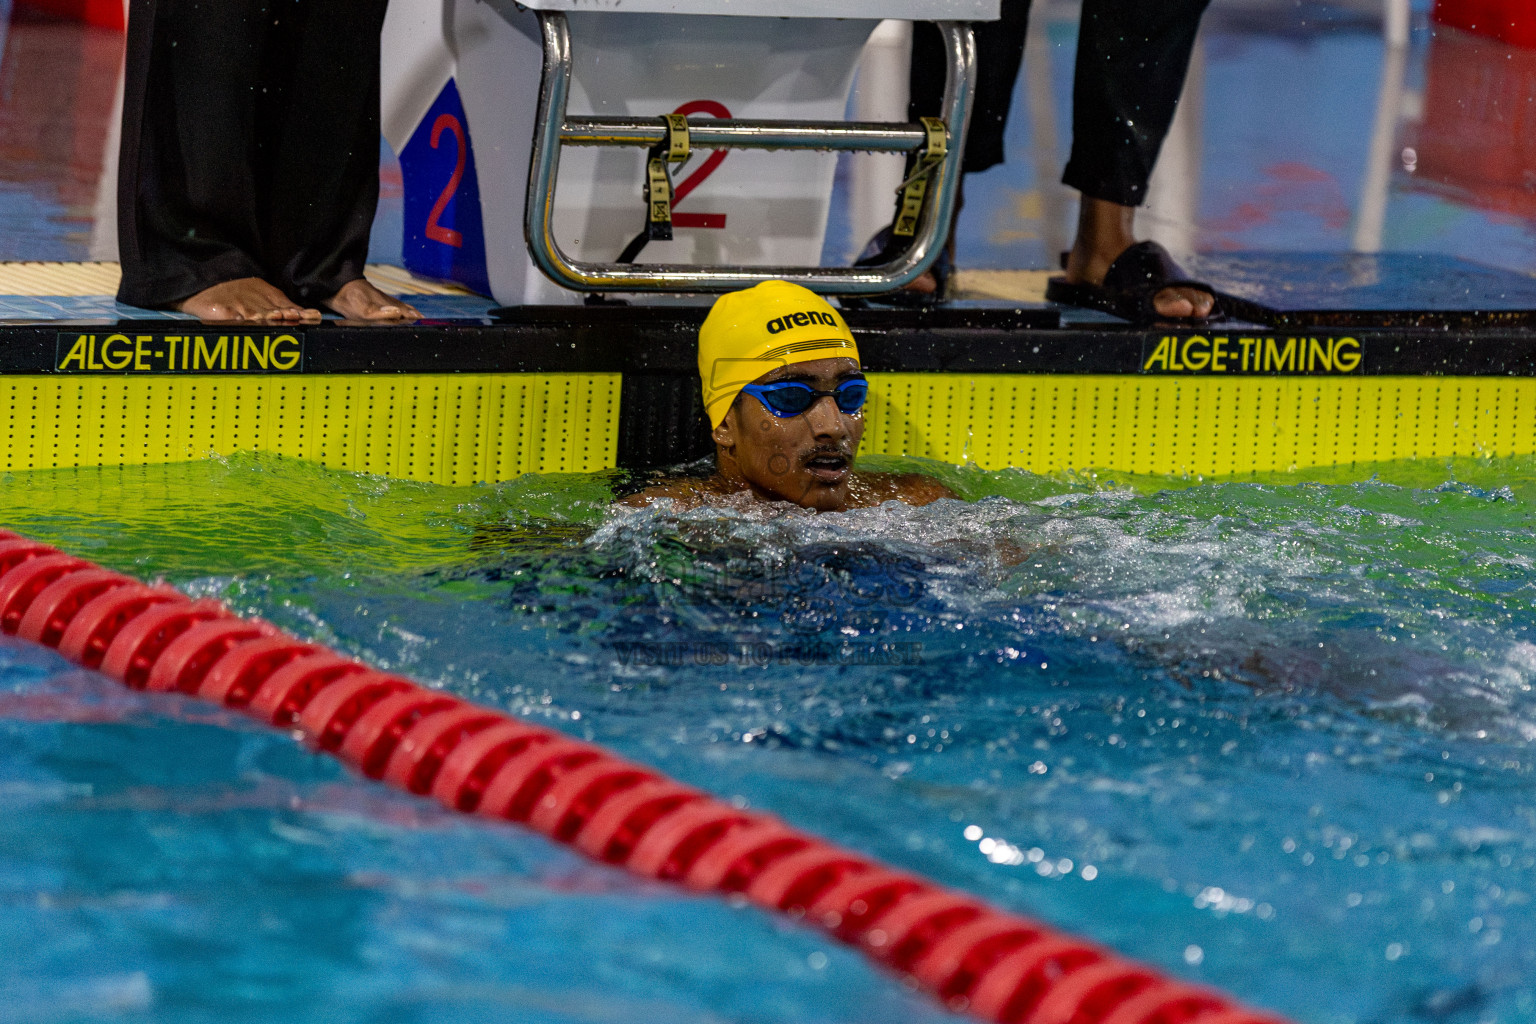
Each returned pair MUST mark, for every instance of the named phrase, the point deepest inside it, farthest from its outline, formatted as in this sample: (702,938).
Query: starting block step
(1367,290)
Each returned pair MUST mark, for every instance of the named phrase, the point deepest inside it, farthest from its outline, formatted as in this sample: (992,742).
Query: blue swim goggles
(791,398)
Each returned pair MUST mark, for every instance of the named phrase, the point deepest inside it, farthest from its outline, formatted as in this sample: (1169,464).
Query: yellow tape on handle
(673,149)
(914,191)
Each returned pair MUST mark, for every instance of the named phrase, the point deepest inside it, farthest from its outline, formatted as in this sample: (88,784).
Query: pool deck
(1334,360)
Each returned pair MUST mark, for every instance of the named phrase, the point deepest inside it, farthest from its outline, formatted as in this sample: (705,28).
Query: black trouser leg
(250,145)
(999,51)
(320,144)
(1132,56)
(187,216)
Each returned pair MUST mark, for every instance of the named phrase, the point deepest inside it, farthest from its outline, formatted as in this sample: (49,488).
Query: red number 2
(434,230)
(708,167)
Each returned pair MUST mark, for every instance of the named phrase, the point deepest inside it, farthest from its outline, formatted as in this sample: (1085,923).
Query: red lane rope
(974,958)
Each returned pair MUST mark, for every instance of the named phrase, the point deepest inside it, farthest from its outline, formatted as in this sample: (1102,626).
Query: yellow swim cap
(750,332)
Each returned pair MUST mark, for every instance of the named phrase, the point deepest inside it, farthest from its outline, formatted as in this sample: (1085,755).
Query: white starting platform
(540,163)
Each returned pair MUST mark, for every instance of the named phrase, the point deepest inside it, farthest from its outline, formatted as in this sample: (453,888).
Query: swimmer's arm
(1011,553)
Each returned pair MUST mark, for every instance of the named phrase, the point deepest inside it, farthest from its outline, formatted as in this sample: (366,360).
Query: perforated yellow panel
(441,428)
(1199,426)
(462,428)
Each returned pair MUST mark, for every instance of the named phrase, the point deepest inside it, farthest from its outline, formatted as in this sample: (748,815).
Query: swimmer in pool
(785,394)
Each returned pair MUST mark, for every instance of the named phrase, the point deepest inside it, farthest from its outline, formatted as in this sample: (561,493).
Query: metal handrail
(554,129)
(733,133)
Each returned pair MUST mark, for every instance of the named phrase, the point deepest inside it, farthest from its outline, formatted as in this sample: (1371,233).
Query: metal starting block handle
(734,133)
(924,214)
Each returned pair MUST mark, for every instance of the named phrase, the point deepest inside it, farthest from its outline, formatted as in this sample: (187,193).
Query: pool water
(1272,736)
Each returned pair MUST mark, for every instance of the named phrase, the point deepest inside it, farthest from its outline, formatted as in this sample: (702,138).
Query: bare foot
(1104,231)
(926,284)
(359,300)
(247,300)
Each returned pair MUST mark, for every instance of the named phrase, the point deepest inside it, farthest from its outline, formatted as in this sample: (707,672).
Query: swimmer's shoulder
(921,489)
(912,488)
(686,491)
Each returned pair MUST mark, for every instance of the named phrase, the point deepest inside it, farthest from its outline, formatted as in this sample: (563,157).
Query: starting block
(1298,290)
(536,148)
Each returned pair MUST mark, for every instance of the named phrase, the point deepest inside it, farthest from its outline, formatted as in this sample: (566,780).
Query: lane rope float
(974,958)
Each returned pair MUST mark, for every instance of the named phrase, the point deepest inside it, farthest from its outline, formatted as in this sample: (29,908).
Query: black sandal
(1133,281)
(882,249)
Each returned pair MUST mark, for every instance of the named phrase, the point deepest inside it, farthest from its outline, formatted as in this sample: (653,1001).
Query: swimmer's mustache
(822,451)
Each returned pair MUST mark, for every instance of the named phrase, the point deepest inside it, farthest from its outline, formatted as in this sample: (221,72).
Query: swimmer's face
(806,459)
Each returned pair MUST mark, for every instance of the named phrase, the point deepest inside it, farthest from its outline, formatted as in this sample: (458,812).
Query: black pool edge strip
(595,341)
